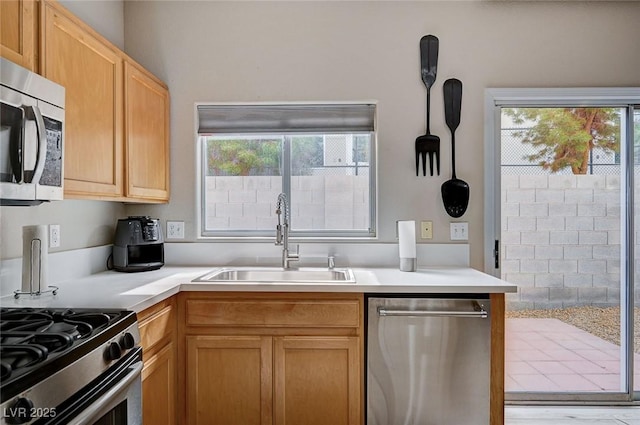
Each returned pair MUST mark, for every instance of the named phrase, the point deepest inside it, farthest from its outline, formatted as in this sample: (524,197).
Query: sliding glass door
(561,163)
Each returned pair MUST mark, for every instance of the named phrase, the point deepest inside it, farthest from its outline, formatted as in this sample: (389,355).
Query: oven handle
(88,415)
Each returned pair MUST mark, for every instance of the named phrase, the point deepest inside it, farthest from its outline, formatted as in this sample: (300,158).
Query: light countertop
(137,291)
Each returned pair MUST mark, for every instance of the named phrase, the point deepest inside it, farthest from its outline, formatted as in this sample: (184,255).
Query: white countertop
(137,291)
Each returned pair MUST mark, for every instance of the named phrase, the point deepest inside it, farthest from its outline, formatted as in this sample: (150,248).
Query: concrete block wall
(319,202)
(561,240)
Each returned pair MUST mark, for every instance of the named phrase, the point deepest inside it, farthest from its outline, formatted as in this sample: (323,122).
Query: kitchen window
(322,156)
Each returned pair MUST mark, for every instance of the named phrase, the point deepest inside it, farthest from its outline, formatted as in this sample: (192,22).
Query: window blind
(290,118)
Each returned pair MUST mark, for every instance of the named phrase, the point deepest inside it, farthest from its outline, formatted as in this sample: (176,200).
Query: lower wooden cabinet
(229,380)
(317,380)
(158,336)
(283,365)
(159,387)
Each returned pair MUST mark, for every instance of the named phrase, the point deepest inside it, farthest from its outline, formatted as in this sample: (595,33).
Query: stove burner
(18,356)
(29,336)
(80,325)
(5,369)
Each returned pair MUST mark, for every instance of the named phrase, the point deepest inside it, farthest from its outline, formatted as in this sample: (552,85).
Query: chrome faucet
(282,232)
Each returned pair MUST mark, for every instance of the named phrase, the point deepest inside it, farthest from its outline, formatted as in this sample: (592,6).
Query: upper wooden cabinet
(117,114)
(147,134)
(91,72)
(18,29)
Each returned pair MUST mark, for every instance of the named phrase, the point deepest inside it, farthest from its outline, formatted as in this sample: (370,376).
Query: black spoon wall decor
(455,192)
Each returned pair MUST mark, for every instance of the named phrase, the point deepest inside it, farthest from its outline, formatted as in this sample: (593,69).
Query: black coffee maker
(139,245)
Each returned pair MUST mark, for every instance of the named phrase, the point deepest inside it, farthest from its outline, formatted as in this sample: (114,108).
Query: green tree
(307,152)
(243,157)
(564,137)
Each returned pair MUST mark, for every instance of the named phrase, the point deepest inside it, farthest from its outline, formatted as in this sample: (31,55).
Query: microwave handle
(36,116)
(16,148)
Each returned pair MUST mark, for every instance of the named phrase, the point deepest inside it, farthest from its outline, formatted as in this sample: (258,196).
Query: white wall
(104,16)
(82,223)
(290,51)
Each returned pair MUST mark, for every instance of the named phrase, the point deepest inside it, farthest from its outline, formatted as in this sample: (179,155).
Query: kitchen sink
(278,275)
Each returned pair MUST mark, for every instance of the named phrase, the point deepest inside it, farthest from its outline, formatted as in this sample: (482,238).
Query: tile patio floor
(552,356)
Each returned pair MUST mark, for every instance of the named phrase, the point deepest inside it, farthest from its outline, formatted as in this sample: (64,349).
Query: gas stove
(56,363)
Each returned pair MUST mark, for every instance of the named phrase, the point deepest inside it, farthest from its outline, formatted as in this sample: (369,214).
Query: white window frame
(307,235)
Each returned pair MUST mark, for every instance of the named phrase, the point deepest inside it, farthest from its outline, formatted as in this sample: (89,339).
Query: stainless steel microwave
(31,137)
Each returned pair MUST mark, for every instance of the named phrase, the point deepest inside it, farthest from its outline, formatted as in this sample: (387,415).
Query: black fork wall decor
(428,144)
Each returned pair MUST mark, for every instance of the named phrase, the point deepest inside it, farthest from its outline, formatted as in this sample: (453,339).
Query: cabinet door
(147,135)
(91,72)
(159,387)
(17,32)
(229,380)
(317,380)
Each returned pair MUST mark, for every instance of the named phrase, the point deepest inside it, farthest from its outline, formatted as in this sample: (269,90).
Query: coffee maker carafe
(139,245)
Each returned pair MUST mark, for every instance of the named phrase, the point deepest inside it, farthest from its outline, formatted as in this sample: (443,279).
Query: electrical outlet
(459,231)
(426,229)
(54,235)
(175,229)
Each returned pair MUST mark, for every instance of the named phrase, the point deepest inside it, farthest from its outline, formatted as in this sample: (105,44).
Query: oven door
(115,398)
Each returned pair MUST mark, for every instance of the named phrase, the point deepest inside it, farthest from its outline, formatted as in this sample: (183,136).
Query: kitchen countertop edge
(138,291)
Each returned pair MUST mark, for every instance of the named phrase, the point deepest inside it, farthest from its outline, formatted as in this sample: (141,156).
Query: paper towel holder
(32,289)
(53,290)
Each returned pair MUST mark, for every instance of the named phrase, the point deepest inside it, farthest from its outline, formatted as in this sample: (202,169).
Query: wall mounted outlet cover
(459,231)
(54,235)
(426,229)
(175,229)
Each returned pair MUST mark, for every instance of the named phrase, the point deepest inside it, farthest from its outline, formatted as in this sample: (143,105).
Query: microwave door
(13,145)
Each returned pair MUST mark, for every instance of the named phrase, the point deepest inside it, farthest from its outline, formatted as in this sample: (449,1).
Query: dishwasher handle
(480,314)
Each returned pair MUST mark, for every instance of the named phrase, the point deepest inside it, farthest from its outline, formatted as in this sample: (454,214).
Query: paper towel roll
(35,256)
(407,244)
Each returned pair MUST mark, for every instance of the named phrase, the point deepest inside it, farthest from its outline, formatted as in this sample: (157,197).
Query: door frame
(623,97)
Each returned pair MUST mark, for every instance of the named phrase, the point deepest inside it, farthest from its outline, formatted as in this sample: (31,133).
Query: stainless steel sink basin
(278,275)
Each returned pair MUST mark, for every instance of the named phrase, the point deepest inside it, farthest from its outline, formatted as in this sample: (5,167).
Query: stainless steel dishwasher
(428,360)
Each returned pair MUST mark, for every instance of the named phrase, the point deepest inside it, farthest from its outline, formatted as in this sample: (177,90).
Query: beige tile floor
(556,415)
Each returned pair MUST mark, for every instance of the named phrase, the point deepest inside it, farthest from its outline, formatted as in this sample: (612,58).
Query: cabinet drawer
(339,313)
(157,326)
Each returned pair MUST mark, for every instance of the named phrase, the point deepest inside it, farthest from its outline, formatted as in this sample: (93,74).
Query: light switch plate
(175,229)
(460,231)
